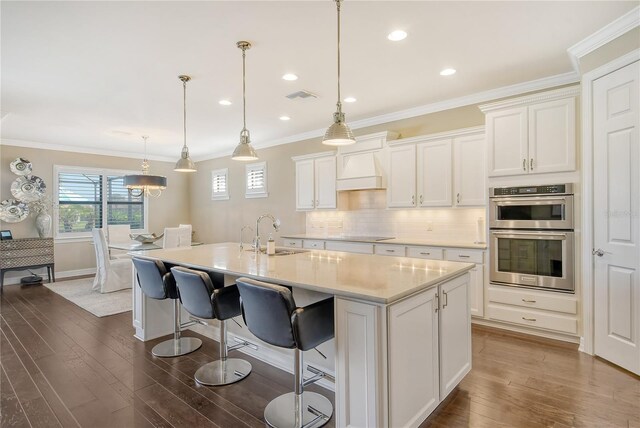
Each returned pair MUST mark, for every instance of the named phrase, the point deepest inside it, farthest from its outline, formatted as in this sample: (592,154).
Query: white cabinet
(455,333)
(470,173)
(434,173)
(315,182)
(533,134)
(401,185)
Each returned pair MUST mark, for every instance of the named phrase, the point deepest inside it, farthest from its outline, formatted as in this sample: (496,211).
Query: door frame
(588,288)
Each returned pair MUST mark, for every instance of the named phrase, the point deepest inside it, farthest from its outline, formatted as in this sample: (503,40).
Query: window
(220,184)
(87,198)
(256,174)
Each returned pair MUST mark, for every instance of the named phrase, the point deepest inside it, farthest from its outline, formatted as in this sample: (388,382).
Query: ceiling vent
(301,94)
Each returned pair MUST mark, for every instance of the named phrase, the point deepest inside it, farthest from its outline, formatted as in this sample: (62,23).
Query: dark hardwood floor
(62,366)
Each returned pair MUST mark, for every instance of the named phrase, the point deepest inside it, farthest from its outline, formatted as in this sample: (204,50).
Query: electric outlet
(429,226)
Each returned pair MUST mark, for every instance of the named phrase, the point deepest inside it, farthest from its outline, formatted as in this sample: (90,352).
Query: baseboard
(13,277)
(524,330)
(264,353)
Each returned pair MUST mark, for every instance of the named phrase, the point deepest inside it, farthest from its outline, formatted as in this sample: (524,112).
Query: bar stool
(210,299)
(157,283)
(270,313)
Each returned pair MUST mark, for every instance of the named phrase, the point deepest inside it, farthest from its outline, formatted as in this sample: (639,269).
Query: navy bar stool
(157,283)
(271,314)
(207,299)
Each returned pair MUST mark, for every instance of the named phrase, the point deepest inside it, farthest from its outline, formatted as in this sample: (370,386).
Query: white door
(507,142)
(325,177)
(552,136)
(401,186)
(616,217)
(470,167)
(434,173)
(305,198)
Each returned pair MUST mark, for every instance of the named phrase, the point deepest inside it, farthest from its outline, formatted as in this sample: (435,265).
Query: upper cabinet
(316,181)
(439,170)
(532,135)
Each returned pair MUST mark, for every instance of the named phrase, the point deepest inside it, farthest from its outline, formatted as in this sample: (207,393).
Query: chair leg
(300,408)
(178,345)
(225,370)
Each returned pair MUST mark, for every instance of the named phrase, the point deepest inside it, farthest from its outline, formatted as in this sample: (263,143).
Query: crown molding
(611,31)
(476,130)
(572,91)
(84,150)
(479,97)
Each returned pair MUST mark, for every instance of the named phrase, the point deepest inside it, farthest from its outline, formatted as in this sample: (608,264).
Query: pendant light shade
(185,164)
(339,133)
(145,184)
(244,150)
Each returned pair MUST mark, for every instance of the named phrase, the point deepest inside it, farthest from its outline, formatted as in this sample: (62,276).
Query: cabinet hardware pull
(463,256)
(524,164)
(446,299)
(528,301)
(426,254)
(458,197)
(528,319)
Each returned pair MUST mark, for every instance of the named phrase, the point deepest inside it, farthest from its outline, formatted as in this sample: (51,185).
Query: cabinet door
(552,136)
(401,186)
(413,376)
(470,171)
(325,186)
(476,291)
(305,197)
(455,333)
(434,173)
(507,142)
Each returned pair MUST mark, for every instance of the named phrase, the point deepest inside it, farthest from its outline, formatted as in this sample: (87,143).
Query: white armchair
(111,275)
(176,237)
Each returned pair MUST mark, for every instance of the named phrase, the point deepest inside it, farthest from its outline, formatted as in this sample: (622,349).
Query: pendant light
(185,164)
(244,151)
(338,133)
(145,184)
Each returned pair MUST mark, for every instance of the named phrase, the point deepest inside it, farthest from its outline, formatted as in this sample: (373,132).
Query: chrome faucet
(276,226)
(242,230)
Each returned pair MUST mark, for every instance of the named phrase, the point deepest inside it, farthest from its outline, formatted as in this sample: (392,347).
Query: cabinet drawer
(390,250)
(292,243)
(426,253)
(469,256)
(350,247)
(313,244)
(531,299)
(533,318)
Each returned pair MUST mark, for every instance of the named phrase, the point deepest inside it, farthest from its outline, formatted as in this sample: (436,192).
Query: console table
(26,253)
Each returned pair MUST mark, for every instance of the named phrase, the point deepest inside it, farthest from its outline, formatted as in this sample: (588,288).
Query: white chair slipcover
(111,275)
(176,237)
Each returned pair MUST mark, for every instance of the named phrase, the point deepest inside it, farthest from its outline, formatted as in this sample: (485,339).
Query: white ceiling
(98,75)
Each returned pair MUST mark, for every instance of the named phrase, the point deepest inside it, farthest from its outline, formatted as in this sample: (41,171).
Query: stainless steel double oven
(532,236)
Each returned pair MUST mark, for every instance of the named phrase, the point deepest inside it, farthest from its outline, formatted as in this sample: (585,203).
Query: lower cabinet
(396,363)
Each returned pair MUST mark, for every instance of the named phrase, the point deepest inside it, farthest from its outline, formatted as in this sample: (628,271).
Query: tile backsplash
(433,224)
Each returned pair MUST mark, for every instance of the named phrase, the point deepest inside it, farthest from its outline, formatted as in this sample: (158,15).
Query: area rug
(79,291)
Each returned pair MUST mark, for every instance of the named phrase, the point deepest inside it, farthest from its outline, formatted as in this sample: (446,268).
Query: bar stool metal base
(282,412)
(175,348)
(221,372)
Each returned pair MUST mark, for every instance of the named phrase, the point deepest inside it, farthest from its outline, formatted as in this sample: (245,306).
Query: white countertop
(397,241)
(380,279)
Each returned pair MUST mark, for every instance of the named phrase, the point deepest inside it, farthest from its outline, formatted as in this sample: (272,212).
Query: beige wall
(170,209)
(619,46)
(220,221)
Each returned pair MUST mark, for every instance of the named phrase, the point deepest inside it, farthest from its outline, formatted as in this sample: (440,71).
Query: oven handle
(532,235)
(529,201)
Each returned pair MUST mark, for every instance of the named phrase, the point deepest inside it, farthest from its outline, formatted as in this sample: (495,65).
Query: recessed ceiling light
(290,76)
(224,102)
(285,118)
(448,72)
(397,35)
(350,100)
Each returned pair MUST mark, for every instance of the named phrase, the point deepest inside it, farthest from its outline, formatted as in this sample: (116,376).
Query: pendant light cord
(184,116)
(339,102)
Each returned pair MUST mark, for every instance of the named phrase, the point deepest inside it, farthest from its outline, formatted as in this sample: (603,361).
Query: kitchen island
(402,325)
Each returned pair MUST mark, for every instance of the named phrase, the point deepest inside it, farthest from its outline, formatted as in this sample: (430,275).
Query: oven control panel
(549,189)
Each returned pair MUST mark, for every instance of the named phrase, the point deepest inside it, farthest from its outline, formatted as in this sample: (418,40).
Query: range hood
(360,171)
